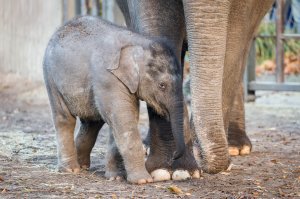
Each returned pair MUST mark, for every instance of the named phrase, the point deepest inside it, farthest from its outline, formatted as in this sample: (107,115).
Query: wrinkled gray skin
(98,72)
(219,35)
(162,19)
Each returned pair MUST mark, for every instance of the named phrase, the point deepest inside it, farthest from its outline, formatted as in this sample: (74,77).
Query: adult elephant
(219,34)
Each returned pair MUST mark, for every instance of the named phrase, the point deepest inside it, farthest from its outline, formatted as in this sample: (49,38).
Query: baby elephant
(97,72)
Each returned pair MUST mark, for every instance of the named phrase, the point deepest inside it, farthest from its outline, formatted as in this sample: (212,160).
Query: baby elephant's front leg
(129,143)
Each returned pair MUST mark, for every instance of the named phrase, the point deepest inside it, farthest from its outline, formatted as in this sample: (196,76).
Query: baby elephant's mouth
(164,112)
(160,109)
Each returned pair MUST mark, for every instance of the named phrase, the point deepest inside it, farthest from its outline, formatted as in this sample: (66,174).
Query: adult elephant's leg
(159,18)
(207,31)
(123,5)
(163,18)
(240,34)
(161,150)
(219,35)
(238,141)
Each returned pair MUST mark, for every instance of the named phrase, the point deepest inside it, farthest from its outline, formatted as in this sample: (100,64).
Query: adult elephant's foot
(164,175)
(161,175)
(181,169)
(185,174)
(239,144)
(70,166)
(84,161)
(238,141)
(185,167)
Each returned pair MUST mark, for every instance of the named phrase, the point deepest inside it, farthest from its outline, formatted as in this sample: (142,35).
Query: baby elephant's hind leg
(64,123)
(67,157)
(114,168)
(85,141)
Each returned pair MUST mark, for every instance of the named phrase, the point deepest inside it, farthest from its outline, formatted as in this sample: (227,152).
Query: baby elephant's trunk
(176,119)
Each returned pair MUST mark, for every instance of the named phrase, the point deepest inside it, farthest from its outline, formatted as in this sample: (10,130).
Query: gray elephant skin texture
(98,72)
(218,34)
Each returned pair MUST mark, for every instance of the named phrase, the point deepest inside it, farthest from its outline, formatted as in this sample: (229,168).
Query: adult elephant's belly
(80,103)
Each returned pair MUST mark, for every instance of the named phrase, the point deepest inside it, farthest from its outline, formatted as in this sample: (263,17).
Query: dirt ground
(28,154)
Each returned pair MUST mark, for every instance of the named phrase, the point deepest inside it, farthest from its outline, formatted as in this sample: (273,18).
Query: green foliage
(292,46)
(266,47)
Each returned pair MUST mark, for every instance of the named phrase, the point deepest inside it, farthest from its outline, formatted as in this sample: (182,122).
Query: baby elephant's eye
(162,85)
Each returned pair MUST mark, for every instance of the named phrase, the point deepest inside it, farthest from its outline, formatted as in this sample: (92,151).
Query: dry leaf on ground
(175,189)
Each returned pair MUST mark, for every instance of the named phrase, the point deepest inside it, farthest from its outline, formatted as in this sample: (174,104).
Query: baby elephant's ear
(126,66)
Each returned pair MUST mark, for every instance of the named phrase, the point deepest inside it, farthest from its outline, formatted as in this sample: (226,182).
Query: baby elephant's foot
(239,145)
(111,176)
(70,167)
(139,177)
(114,168)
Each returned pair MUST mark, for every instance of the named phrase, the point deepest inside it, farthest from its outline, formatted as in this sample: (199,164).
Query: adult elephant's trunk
(207,31)
(176,119)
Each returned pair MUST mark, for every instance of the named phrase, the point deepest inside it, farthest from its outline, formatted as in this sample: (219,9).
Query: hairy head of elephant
(153,73)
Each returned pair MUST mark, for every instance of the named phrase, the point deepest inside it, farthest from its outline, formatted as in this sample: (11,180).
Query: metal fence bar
(271,86)
(283,36)
(290,36)
(279,42)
